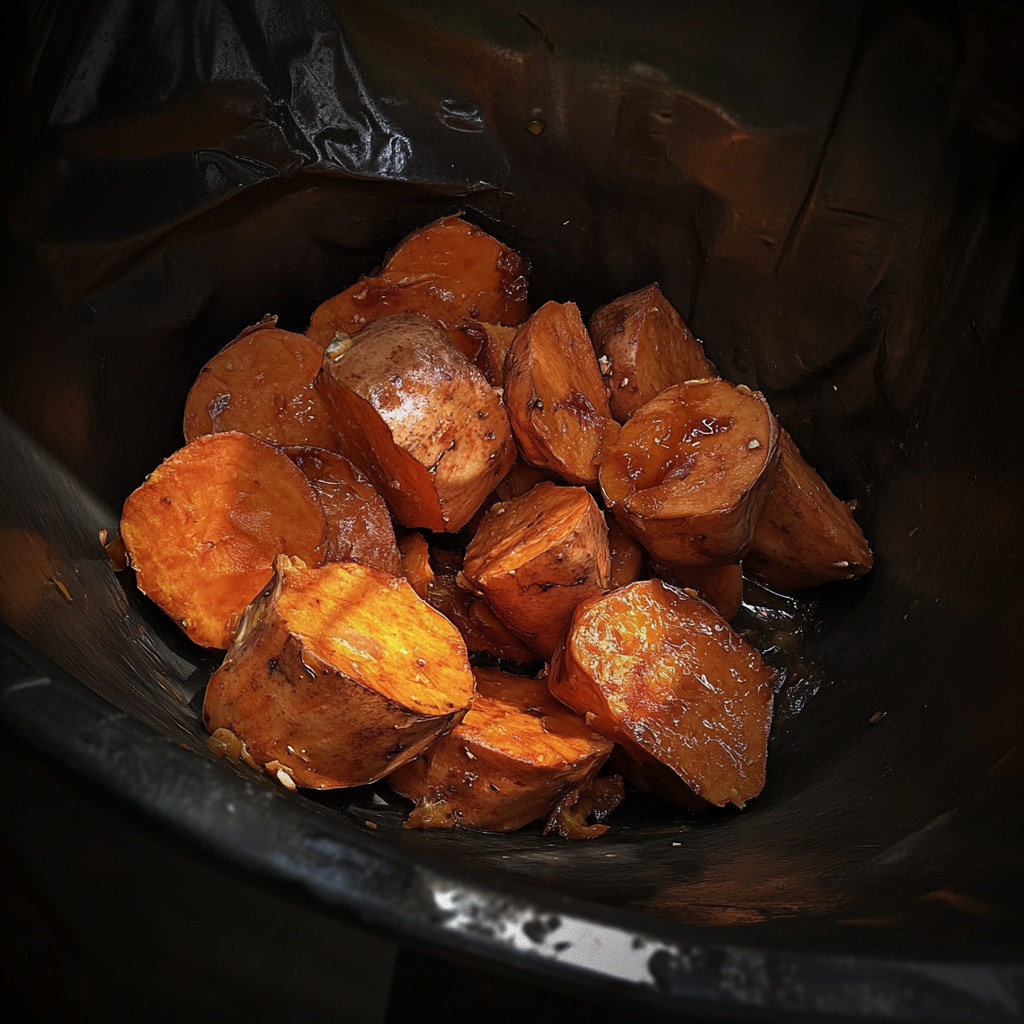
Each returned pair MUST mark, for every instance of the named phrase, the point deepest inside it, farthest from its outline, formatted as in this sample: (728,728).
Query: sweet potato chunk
(262,384)
(448,270)
(806,535)
(507,763)
(202,532)
(419,419)
(556,398)
(493,343)
(522,477)
(358,525)
(649,348)
(720,585)
(338,675)
(663,675)
(536,557)
(691,471)
(626,554)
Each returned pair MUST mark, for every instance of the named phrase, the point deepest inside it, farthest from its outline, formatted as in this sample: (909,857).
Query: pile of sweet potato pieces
(430,472)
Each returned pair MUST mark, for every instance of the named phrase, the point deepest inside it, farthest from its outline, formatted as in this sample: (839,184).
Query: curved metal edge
(392,890)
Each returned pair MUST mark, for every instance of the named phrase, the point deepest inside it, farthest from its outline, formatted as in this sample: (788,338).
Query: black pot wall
(832,197)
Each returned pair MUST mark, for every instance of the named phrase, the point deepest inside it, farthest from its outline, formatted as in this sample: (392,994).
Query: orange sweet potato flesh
(720,585)
(262,384)
(686,697)
(691,471)
(626,554)
(448,270)
(419,420)
(338,675)
(556,398)
(507,763)
(806,535)
(522,477)
(492,344)
(358,525)
(202,532)
(649,348)
(535,558)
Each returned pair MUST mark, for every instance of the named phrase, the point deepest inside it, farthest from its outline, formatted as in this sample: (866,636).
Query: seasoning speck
(876,717)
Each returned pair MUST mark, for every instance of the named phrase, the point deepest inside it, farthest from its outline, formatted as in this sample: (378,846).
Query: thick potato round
(338,676)
(202,532)
(419,419)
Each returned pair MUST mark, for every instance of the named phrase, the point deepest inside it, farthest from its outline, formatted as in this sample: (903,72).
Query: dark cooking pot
(832,197)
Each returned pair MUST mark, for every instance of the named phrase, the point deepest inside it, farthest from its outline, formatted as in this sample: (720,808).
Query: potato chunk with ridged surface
(338,675)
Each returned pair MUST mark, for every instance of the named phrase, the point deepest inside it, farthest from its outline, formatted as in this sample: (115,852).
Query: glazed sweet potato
(358,525)
(338,675)
(535,558)
(691,471)
(626,554)
(448,270)
(493,343)
(419,420)
(202,532)
(663,675)
(522,477)
(806,535)
(507,763)
(649,349)
(262,384)
(720,585)
(556,397)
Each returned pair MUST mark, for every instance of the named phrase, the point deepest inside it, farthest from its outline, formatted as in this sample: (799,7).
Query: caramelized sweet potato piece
(663,675)
(492,344)
(262,384)
(806,535)
(691,471)
(600,798)
(536,557)
(522,477)
(202,532)
(358,525)
(448,270)
(338,675)
(507,763)
(626,554)
(419,419)
(720,585)
(415,562)
(556,398)
(649,348)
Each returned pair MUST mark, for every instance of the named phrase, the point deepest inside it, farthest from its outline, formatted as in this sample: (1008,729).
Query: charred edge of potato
(574,807)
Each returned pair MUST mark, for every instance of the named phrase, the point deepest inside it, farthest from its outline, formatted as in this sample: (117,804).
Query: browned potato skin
(262,384)
(506,764)
(627,555)
(649,347)
(695,501)
(805,536)
(358,524)
(448,270)
(663,675)
(720,585)
(556,398)
(536,557)
(419,420)
(202,532)
(323,679)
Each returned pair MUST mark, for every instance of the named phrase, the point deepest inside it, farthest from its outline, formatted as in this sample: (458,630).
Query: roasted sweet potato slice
(626,554)
(649,349)
(663,675)
(202,532)
(720,585)
(419,419)
(338,675)
(806,535)
(262,384)
(448,270)
(507,763)
(538,556)
(556,397)
(358,525)
(691,471)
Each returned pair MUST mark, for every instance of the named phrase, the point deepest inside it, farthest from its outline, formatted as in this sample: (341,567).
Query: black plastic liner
(832,197)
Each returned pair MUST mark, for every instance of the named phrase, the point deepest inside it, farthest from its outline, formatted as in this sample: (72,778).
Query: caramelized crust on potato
(507,763)
(262,384)
(358,525)
(663,675)
(448,270)
(419,419)
(556,398)
(806,535)
(202,532)
(535,558)
(720,585)
(626,554)
(339,675)
(649,348)
(691,471)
